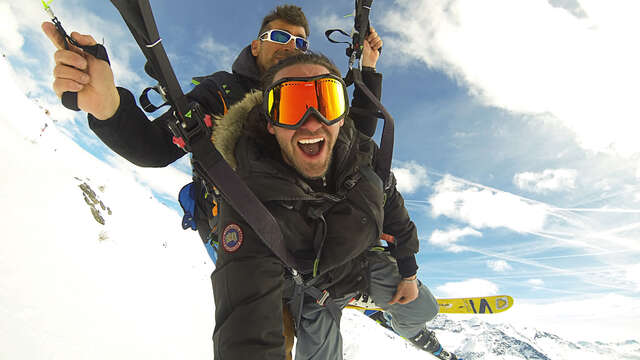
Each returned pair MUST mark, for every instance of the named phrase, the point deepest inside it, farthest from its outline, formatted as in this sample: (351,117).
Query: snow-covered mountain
(476,339)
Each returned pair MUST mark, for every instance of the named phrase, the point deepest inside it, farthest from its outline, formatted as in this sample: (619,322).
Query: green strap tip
(315,267)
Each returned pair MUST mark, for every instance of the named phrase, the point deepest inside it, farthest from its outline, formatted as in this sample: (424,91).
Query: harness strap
(354,76)
(322,298)
(385,154)
(210,165)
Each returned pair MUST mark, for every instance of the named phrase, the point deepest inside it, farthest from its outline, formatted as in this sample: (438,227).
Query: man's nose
(312,124)
(291,45)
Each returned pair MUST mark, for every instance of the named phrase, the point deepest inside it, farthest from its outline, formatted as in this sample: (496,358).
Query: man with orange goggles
(298,149)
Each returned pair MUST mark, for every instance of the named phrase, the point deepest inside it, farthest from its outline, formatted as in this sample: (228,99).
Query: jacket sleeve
(366,123)
(146,143)
(398,223)
(247,287)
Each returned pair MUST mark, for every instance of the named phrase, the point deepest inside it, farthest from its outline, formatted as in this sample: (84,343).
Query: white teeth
(310,141)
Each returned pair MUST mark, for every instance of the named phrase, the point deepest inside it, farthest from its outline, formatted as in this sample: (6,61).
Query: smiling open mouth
(311,147)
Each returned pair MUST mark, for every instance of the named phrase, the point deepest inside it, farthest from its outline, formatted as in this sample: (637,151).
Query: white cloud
(535,282)
(475,287)
(447,239)
(581,70)
(633,276)
(499,265)
(485,208)
(10,38)
(329,19)
(410,176)
(548,180)
(223,55)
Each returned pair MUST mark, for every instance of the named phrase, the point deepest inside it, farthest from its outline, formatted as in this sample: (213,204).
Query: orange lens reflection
(331,98)
(289,101)
(295,98)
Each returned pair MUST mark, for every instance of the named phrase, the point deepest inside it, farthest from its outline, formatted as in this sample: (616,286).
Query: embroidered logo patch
(232,238)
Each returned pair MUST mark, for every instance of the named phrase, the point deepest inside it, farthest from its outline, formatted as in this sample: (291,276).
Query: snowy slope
(136,287)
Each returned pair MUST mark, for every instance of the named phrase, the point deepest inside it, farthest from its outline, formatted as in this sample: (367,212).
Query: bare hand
(370,53)
(79,72)
(406,292)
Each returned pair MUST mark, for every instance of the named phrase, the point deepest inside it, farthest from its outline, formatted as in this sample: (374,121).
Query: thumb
(52,33)
(395,298)
(83,39)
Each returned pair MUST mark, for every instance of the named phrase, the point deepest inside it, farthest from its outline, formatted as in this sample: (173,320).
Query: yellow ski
(478,305)
(475,305)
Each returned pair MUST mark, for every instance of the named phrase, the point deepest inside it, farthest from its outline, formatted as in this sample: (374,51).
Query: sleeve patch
(232,238)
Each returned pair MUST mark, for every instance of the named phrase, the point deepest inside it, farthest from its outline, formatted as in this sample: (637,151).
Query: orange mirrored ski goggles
(290,102)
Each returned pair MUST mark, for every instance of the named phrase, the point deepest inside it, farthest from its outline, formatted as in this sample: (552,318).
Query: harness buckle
(323,298)
(297,278)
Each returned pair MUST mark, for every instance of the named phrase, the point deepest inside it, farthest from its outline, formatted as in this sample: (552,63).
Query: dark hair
(289,13)
(300,58)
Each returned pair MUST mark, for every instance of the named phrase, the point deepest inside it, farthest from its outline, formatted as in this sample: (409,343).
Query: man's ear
(270,128)
(255,47)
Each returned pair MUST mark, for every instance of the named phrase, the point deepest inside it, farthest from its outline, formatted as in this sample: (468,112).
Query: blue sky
(515,143)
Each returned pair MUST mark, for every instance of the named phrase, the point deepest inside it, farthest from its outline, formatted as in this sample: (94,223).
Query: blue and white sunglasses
(283,37)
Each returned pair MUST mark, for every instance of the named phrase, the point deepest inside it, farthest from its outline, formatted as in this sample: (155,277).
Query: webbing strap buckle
(194,124)
(297,278)
(323,298)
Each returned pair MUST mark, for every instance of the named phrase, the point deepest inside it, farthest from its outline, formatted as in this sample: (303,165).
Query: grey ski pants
(318,337)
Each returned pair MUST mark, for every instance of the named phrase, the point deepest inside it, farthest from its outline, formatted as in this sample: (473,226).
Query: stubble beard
(318,170)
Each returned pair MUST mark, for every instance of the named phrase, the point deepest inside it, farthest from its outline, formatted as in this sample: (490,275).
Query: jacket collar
(245,65)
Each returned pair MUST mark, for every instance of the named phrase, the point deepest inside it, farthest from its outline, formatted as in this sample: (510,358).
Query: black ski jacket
(146,143)
(330,228)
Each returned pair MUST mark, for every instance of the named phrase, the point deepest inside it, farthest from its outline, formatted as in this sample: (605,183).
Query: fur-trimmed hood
(228,128)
